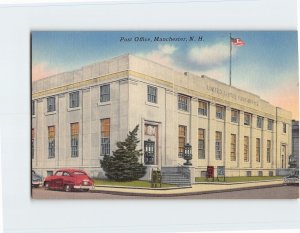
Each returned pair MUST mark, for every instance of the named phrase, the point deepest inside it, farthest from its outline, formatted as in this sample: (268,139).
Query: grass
(136,183)
(240,178)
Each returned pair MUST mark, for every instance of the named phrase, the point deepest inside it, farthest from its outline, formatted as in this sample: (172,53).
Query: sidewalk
(200,188)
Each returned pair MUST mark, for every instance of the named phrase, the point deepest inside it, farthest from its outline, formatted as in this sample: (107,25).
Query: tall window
(51,104)
(218,145)
(74,99)
(284,127)
(74,139)
(105,136)
(246,149)
(270,124)
(220,112)
(268,151)
(234,115)
(105,93)
(51,141)
(201,143)
(183,102)
(259,122)
(202,107)
(257,149)
(32,143)
(247,119)
(32,107)
(152,94)
(181,140)
(233,147)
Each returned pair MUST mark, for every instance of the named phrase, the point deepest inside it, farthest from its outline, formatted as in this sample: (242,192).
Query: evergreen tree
(124,164)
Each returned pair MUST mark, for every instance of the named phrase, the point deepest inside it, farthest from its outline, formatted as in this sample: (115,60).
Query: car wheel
(68,188)
(46,185)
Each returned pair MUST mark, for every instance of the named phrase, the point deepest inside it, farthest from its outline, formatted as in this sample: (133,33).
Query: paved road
(282,192)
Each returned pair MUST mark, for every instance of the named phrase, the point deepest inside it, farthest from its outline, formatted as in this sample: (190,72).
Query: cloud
(210,55)
(42,70)
(285,94)
(162,55)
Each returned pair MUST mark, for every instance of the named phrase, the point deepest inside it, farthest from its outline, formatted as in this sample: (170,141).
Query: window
(51,141)
(247,119)
(74,139)
(220,112)
(234,116)
(218,145)
(32,107)
(257,149)
(152,94)
(181,140)
(268,151)
(105,136)
(49,173)
(183,102)
(51,104)
(74,99)
(202,108)
(284,127)
(246,149)
(32,143)
(105,93)
(259,122)
(233,147)
(201,143)
(270,124)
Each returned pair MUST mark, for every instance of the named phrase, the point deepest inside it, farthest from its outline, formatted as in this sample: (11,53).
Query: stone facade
(163,102)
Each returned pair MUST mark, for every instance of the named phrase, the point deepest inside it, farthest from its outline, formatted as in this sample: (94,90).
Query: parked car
(292,179)
(69,180)
(36,179)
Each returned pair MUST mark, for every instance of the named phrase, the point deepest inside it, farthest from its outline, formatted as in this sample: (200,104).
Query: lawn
(136,183)
(240,178)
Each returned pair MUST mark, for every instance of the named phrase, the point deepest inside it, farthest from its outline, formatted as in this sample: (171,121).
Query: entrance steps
(180,176)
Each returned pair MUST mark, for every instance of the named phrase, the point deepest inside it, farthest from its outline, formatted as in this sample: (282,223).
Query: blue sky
(266,65)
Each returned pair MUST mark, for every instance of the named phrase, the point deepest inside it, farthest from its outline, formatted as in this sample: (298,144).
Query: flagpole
(230,59)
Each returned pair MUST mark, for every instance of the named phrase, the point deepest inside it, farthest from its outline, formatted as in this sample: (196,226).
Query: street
(282,192)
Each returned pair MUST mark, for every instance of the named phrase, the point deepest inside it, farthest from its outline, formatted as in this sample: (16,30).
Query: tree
(124,164)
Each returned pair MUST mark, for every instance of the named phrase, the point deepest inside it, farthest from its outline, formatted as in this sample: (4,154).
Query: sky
(267,65)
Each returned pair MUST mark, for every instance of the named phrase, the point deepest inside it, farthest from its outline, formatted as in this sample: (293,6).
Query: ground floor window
(105,137)
(181,140)
(201,143)
(218,145)
(74,139)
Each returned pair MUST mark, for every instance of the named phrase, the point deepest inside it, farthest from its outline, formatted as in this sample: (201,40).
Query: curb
(143,188)
(126,193)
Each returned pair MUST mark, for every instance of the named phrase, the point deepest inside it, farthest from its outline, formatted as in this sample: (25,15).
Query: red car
(68,180)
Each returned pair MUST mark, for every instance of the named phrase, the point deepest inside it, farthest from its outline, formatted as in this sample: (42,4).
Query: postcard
(164,114)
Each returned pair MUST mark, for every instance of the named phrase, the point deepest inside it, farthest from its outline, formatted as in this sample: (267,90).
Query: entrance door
(149,152)
(283,156)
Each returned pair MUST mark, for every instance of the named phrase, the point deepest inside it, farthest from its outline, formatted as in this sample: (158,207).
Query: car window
(79,173)
(59,173)
(66,174)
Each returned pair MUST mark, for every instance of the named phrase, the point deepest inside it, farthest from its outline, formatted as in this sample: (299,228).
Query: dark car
(292,179)
(36,179)
(68,180)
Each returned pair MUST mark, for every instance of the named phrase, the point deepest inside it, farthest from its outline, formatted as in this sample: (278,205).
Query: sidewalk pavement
(195,189)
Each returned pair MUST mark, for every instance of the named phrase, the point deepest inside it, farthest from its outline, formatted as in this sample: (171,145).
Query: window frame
(201,143)
(269,147)
(218,145)
(74,97)
(258,150)
(247,116)
(152,94)
(246,148)
(233,147)
(74,139)
(202,110)
(51,142)
(183,102)
(232,116)
(105,126)
(220,114)
(51,105)
(105,93)
(181,139)
(259,122)
(270,124)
